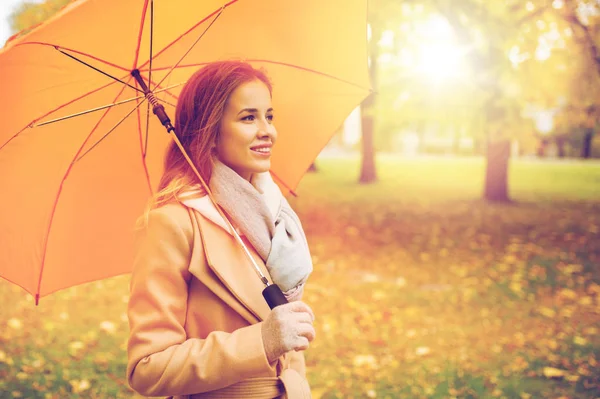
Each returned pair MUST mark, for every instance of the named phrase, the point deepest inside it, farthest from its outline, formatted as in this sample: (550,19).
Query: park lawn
(421,290)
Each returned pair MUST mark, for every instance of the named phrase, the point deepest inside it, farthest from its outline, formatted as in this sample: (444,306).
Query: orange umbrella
(80,152)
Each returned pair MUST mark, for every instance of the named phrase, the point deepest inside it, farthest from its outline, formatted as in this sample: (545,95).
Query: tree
(584,99)
(28,14)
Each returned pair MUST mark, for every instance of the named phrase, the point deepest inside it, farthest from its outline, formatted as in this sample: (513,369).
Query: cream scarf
(259,211)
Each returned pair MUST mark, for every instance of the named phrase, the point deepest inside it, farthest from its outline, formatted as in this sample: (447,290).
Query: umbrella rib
(280,180)
(96,69)
(220,10)
(109,132)
(53,211)
(147,130)
(33,124)
(139,40)
(166,102)
(56,109)
(282,64)
(151,40)
(85,112)
(193,44)
(76,52)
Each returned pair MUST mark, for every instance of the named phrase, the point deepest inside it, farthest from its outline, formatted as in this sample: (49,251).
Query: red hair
(199,111)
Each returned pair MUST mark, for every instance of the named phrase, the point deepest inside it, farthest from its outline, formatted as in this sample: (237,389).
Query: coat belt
(252,388)
(289,385)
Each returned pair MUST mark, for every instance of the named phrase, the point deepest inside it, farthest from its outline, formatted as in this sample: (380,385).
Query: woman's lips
(262,149)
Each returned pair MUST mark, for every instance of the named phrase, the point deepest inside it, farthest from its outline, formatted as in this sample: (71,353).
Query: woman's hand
(288,327)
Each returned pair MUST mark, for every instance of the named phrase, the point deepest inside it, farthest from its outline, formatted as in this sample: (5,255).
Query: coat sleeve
(162,361)
(298,363)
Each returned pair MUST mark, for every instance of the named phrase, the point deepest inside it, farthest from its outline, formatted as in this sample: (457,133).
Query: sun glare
(438,57)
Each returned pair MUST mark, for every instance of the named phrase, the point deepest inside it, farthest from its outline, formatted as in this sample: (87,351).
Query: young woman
(199,326)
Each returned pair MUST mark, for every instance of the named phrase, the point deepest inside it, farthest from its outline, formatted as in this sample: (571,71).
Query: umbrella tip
(37,299)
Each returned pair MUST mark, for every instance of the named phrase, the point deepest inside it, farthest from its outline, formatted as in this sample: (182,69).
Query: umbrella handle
(274,296)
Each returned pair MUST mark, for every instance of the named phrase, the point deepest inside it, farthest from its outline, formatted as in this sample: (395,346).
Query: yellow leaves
(590,331)
(48,326)
(585,301)
(567,312)
(422,351)
(15,323)
(79,386)
(519,364)
(536,272)
(571,269)
(516,287)
(317,393)
(593,289)
(400,282)
(567,293)
(108,327)
(547,312)
(572,378)
(75,348)
(551,372)
(580,341)
(367,361)
(460,271)
(584,370)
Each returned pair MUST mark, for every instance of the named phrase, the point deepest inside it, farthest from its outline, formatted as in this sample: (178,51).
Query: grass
(421,290)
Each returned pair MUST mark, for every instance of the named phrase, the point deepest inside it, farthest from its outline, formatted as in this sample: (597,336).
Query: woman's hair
(198,114)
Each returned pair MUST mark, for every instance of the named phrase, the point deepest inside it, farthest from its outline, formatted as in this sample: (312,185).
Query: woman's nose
(266,129)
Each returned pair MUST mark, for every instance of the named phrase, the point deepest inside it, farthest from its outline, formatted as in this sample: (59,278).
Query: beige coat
(195,315)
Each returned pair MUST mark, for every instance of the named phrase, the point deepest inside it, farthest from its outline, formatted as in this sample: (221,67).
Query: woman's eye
(248,118)
(270,118)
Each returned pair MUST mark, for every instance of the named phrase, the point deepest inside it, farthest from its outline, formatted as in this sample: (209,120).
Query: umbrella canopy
(80,152)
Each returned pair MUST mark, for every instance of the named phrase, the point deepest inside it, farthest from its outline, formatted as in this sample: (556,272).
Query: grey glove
(288,327)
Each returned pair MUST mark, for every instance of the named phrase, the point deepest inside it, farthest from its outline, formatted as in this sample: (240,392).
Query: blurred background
(454,221)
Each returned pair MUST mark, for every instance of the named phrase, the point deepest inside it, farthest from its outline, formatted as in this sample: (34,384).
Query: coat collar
(228,261)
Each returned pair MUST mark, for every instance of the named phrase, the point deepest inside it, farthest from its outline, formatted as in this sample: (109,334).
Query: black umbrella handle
(274,296)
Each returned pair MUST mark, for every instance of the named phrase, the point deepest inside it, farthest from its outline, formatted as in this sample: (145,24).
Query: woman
(199,326)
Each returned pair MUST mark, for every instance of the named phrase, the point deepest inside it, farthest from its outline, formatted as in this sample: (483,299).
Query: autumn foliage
(420,290)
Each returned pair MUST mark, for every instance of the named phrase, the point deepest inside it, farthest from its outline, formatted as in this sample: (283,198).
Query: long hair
(198,114)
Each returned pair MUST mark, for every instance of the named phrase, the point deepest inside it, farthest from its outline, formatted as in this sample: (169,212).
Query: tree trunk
(496,174)
(560,143)
(368,172)
(586,149)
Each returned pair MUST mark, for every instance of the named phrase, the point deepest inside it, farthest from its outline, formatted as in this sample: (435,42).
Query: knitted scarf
(261,213)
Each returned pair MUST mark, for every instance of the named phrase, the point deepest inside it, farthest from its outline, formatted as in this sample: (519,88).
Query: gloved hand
(288,327)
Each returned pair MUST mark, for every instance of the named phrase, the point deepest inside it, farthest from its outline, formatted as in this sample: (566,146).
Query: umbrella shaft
(159,111)
(157,108)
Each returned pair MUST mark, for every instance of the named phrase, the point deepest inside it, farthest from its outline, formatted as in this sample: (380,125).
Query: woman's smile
(246,134)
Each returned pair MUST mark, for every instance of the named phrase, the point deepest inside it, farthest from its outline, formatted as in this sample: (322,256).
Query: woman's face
(246,133)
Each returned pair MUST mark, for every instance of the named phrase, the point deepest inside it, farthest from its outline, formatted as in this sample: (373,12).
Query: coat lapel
(227,260)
